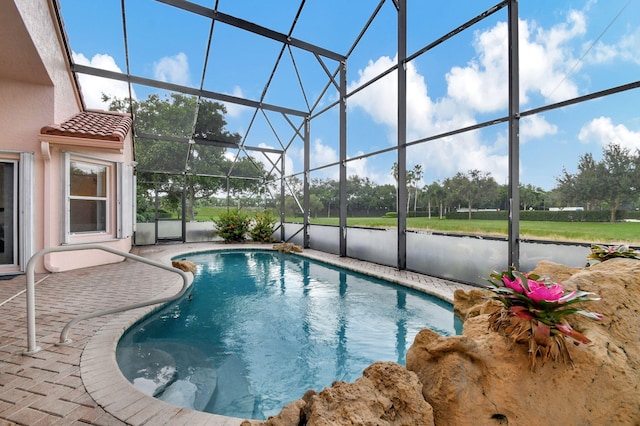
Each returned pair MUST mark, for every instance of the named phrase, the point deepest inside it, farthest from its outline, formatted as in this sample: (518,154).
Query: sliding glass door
(8,213)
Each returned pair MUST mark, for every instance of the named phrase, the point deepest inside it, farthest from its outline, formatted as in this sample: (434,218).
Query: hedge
(550,216)
(419,213)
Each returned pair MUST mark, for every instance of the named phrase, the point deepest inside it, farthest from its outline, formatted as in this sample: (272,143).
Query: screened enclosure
(323,113)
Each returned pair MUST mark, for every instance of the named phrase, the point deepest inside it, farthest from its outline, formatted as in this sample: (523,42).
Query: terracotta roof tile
(110,126)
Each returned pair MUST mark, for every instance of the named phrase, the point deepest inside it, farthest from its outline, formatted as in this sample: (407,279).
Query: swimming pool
(259,328)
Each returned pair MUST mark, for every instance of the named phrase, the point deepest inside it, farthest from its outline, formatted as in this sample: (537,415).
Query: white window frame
(111,168)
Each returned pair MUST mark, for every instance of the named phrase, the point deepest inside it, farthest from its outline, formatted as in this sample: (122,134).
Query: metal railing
(32,348)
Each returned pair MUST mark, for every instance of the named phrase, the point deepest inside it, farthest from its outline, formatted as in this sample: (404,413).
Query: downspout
(45,149)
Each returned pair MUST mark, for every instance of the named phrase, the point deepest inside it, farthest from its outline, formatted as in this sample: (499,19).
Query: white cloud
(602,131)
(322,154)
(627,48)
(601,52)
(235,110)
(172,69)
(444,158)
(359,167)
(362,167)
(379,99)
(545,61)
(273,158)
(535,127)
(93,87)
(480,86)
(424,117)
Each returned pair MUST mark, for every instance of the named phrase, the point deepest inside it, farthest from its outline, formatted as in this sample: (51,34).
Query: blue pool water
(260,328)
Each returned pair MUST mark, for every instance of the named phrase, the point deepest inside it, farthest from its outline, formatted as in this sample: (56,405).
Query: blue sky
(568,48)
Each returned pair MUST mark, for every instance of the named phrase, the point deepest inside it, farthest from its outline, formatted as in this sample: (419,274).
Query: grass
(208,213)
(584,232)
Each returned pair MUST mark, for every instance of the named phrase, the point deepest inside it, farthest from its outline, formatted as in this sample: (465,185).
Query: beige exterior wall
(39,20)
(37,89)
(53,189)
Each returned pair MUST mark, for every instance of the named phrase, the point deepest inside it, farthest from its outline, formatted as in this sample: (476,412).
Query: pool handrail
(32,348)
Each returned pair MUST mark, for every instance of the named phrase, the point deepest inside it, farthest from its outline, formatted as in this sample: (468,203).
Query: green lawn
(207,213)
(588,232)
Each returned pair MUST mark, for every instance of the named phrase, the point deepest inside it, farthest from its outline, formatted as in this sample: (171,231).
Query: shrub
(263,227)
(163,214)
(232,225)
(547,215)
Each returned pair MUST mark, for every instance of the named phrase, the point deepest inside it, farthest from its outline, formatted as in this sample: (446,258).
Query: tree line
(612,183)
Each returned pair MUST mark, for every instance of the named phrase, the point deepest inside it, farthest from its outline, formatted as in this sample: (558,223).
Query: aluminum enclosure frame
(338,79)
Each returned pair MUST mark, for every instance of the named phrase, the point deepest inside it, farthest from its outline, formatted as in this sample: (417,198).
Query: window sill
(94,240)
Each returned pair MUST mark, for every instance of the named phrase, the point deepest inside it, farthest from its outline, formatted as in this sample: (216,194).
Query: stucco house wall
(37,90)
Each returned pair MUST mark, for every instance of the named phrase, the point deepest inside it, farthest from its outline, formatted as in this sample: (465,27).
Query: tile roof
(102,125)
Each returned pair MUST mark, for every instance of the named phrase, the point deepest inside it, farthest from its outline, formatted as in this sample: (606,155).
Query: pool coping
(117,396)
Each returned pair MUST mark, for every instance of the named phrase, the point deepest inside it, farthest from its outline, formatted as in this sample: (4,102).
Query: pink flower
(539,291)
(515,284)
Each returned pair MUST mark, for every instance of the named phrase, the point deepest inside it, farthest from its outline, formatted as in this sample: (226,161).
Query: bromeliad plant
(600,253)
(534,311)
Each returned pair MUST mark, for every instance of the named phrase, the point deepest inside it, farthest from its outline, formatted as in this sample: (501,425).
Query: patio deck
(79,383)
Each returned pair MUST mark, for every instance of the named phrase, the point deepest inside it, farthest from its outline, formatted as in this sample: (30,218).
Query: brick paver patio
(79,383)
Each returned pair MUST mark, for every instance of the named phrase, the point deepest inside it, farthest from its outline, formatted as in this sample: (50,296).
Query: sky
(568,48)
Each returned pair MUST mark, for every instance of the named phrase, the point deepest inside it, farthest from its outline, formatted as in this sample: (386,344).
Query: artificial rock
(481,378)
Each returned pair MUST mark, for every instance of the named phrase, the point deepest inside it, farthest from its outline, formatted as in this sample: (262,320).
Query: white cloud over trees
(603,131)
(548,62)
(172,69)
(94,87)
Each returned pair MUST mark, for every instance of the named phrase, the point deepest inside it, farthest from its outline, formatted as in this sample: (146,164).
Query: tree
(472,188)
(586,186)
(385,197)
(201,165)
(394,173)
(435,194)
(294,187)
(531,196)
(360,194)
(612,180)
(326,191)
(413,176)
(621,178)
(246,177)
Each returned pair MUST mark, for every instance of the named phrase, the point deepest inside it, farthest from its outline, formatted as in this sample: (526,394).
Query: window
(97,199)
(88,197)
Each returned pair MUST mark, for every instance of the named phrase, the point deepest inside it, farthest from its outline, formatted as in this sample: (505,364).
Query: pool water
(260,328)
